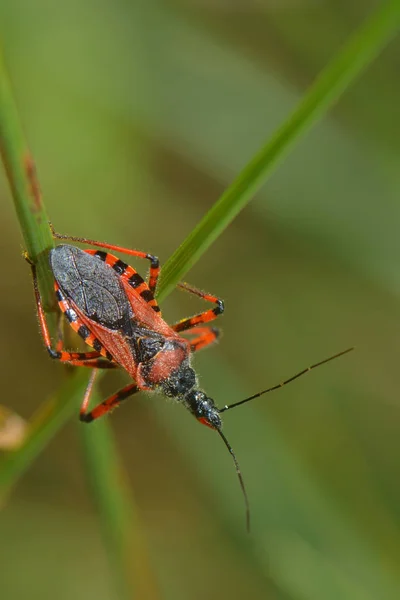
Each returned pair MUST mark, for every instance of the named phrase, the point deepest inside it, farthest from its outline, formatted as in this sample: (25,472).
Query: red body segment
(168,361)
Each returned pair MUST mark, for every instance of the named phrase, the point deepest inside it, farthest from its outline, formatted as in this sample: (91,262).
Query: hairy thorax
(168,368)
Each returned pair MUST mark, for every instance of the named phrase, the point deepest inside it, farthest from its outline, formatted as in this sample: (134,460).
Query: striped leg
(106,406)
(57,354)
(204,317)
(129,277)
(154,262)
(92,363)
(204,337)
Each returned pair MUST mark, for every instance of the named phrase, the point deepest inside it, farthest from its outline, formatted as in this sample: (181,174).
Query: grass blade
(31,212)
(359,51)
(128,554)
(122,540)
(44,425)
(21,174)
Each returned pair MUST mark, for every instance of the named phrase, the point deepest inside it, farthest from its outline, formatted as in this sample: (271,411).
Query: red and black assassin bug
(114,310)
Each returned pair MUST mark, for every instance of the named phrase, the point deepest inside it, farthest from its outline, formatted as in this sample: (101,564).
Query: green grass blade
(359,51)
(50,417)
(128,554)
(21,175)
(20,171)
(123,543)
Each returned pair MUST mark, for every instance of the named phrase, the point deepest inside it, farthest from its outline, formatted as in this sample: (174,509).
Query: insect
(115,311)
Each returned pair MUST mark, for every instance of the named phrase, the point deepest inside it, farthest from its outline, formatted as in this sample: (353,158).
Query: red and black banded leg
(204,317)
(106,406)
(93,363)
(57,354)
(204,337)
(128,276)
(154,261)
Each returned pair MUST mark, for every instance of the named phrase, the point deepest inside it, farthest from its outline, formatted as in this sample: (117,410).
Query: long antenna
(239,474)
(279,385)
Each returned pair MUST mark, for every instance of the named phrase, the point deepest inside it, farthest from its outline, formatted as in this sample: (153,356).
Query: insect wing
(144,312)
(114,344)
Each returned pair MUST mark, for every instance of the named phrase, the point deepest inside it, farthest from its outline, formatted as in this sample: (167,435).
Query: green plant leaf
(120,522)
(21,173)
(114,502)
(50,417)
(359,51)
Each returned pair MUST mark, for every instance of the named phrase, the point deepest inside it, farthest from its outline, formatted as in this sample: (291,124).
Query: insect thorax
(168,370)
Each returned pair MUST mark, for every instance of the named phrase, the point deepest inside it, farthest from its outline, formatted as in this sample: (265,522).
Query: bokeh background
(139,114)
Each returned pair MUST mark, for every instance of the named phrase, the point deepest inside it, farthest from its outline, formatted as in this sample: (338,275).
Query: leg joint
(53,353)
(86,417)
(154,260)
(219,309)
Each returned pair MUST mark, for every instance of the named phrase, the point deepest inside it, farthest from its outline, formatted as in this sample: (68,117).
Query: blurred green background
(139,114)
